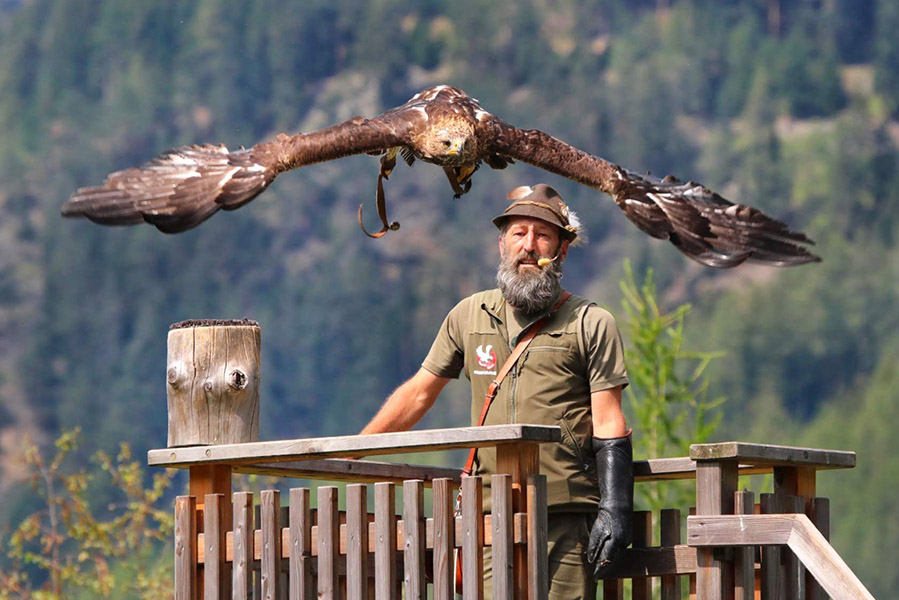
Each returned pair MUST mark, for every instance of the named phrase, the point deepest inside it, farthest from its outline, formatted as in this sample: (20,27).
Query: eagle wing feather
(182,187)
(699,222)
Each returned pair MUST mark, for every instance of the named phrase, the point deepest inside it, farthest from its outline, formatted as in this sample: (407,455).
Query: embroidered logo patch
(486,357)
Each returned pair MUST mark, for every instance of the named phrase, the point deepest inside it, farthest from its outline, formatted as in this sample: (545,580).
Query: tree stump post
(212,387)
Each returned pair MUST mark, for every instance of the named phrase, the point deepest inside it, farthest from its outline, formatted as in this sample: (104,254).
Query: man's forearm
(407,404)
(397,414)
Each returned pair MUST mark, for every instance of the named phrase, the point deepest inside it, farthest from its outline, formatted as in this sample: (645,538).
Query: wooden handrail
(794,530)
(773,455)
(353,445)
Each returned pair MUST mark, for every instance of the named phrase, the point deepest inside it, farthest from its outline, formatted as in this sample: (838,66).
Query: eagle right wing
(181,188)
(700,223)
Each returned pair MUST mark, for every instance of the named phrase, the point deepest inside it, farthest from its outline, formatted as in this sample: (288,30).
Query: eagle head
(450,141)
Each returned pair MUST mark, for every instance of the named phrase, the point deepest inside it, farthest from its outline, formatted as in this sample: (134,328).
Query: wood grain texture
(770,454)
(328,542)
(185,548)
(796,531)
(355,445)
(501,530)
(472,539)
(669,537)
(216,572)
(385,541)
(744,557)
(300,545)
(357,542)
(212,385)
(771,575)
(443,539)
(270,524)
(716,482)
(243,545)
(520,461)
(819,513)
(679,559)
(354,471)
(642,538)
(414,540)
(795,572)
(538,538)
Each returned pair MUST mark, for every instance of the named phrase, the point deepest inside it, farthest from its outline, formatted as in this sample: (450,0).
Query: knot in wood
(237,380)
(174,374)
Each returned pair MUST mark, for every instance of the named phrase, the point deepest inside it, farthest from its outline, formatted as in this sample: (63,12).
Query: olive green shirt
(578,351)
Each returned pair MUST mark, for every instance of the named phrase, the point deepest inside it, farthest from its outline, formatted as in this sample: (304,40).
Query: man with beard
(571,375)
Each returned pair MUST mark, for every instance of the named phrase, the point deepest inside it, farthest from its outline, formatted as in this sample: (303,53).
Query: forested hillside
(787,105)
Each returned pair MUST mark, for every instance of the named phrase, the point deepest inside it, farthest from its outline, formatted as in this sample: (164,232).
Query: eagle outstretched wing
(699,222)
(441,125)
(183,187)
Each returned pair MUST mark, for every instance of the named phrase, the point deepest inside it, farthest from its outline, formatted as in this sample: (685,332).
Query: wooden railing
(327,553)
(776,549)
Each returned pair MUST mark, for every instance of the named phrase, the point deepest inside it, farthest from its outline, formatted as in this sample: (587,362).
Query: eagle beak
(455,148)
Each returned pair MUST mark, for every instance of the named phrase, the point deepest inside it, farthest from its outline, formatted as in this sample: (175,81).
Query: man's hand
(607,540)
(611,532)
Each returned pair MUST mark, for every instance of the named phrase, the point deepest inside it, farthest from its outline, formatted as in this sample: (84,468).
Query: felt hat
(539,202)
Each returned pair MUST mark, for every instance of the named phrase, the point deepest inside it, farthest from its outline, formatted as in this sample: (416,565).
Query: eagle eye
(446,143)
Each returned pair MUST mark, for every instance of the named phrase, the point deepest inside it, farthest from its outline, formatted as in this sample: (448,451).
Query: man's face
(525,285)
(527,240)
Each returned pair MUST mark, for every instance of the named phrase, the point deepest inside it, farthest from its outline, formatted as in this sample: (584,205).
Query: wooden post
(212,382)
(716,482)
(519,461)
(212,387)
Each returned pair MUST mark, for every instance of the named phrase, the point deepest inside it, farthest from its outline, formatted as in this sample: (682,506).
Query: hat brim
(534,212)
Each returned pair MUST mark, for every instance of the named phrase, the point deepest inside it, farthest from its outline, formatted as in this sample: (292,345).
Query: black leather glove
(612,529)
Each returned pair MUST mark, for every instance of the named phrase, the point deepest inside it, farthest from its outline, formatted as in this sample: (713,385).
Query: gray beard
(532,293)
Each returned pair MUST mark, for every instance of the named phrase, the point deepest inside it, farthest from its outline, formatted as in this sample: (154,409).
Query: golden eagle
(183,187)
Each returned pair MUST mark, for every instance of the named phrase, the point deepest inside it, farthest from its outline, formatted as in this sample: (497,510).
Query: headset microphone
(545,262)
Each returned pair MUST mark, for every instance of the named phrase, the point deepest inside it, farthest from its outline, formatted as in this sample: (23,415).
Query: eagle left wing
(181,188)
(699,222)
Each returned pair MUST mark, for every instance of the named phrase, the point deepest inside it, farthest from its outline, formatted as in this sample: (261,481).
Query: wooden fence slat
(328,542)
(503,574)
(820,516)
(216,576)
(472,539)
(284,585)
(744,556)
(444,539)
(243,542)
(612,589)
(414,540)
(795,583)
(670,536)
(300,565)
(772,578)
(270,523)
(642,538)
(385,541)
(357,541)
(256,549)
(538,536)
(185,548)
